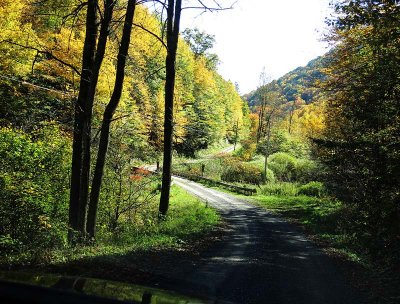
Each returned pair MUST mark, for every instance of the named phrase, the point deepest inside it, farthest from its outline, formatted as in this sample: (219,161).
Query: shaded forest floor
(144,267)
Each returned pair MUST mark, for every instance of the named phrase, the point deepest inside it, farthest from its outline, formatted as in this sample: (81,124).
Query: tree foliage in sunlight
(41,60)
(33,188)
(360,144)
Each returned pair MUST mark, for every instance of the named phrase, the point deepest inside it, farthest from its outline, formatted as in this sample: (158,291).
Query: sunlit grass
(187,218)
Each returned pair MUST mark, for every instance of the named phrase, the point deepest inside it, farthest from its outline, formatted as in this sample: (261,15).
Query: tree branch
(152,34)
(44,52)
(205,7)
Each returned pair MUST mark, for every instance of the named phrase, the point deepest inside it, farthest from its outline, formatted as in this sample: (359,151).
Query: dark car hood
(17,287)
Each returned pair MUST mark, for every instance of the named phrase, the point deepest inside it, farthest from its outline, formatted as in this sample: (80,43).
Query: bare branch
(205,7)
(151,33)
(74,13)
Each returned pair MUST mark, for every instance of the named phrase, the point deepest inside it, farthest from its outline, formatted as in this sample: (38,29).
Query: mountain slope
(301,82)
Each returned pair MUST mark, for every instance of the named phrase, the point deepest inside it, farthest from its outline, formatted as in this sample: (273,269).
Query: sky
(279,35)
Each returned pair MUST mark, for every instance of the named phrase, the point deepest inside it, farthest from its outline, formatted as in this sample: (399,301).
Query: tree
(294,105)
(108,116)
(272,110)
(270,103)
(361,142)
(174,10)
(77,209)
(199,42)
(93,55)
(264,80)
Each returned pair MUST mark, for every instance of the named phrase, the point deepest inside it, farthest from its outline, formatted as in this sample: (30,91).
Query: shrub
(247,150)
(239,172)
(282,141)
(287,168)
(306,170)
(316,189)
(283,165)
(270,176)
(33,188)
(214,167)
(280,189)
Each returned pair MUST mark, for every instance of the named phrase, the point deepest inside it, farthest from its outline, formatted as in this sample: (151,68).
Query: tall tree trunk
(107,118)
(236,134)
(260,130)
(86,134)
(291,114)
(173,22)
(79,120)
(267,150)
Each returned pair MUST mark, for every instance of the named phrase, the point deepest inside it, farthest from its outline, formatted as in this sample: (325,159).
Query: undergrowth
(187,218)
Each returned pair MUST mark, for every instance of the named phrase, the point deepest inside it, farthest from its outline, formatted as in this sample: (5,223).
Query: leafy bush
(270,176)
(287,168)
(33,188)
(236,171)
(316,189)
(280,189)
(283,165)
(186,217)
(306,170)
(247,150)
(282,141)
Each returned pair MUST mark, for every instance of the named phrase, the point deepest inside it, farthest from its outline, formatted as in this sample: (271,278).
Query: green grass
(213,149)
(188,218)
(213,168)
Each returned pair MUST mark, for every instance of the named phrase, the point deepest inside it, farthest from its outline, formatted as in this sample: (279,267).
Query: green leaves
(33,186)
(362,118)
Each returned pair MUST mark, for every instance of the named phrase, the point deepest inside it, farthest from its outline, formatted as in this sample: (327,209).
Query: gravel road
(261,259)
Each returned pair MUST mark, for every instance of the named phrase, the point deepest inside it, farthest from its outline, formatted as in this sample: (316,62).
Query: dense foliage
(37,87)
(33,189)
(41,47)
(361,143)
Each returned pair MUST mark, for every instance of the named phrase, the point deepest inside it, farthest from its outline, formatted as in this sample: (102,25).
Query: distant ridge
(301,82)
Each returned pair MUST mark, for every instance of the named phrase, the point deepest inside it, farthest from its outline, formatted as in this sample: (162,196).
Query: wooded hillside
(83,97)
(302,82)
(40,62)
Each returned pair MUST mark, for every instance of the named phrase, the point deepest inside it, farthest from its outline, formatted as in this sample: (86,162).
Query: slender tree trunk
(107,118)
(236,134)
(292,109)
(86,134)
(260,120)
(79,120)
(267,150)
(261,115)
(173,22)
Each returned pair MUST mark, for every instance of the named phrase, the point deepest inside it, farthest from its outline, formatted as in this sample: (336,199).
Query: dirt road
(262,259)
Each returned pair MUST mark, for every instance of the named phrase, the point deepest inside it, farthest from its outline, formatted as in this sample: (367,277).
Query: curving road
(262,259)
